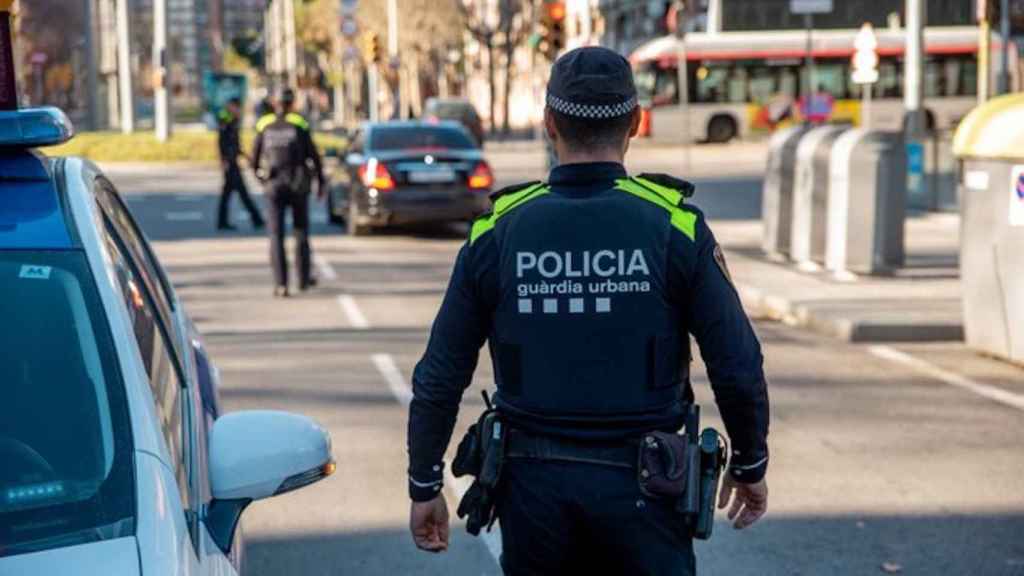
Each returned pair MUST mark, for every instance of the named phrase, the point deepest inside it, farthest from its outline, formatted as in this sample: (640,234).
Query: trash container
(810,196)
(867,202)
(989,144)
(777,194)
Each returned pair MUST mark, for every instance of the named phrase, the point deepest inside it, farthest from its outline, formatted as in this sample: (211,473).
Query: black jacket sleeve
(729,347)
(444,372)
(257,154)
(311,153)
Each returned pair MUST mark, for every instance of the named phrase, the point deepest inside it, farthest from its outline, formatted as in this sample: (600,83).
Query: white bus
(744,83)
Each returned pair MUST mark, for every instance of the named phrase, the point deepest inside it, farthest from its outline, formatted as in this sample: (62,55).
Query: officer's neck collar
(587,174)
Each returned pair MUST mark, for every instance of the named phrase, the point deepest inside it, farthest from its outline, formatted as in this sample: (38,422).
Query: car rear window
(413,137)
(65,439)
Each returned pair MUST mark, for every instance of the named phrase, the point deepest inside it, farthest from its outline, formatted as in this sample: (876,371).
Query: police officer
(228,123)
(586,289)
(285,160)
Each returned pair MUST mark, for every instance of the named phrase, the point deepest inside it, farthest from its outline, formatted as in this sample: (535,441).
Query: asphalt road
(884,459)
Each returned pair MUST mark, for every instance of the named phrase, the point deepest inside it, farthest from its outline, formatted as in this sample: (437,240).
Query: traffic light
(552,33)
(371,48)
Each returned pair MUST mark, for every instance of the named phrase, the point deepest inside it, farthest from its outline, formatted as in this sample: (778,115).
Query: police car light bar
(31,127)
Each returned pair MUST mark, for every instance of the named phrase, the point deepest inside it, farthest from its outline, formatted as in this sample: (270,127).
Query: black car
(397,173)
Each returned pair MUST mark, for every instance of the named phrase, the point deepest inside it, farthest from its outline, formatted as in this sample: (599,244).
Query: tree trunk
(509,52)
(490,79)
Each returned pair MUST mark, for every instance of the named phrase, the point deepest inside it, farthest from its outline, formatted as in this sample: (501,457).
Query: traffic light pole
(124,69)
(683,77)
(372,94)
(161,66)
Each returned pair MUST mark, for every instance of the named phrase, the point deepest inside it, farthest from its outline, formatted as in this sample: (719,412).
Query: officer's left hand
(428,522)
(749,501)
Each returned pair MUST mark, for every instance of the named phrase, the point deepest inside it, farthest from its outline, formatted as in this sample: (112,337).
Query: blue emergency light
(30,127)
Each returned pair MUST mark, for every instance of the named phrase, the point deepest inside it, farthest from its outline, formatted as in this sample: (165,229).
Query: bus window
(711,84)
(890,78)
(763,84)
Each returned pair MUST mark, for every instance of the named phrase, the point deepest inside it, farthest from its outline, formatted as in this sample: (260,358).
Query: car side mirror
(258,454)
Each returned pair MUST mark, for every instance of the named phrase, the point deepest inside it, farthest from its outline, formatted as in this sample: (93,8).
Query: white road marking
(387,367)
(190,216)
(324,267)
(352,312)
(953,379)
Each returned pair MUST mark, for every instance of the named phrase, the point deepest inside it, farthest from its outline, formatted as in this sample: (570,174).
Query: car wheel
(721,129)
(354,227)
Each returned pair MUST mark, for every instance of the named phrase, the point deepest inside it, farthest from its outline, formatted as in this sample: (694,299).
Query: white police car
(113,460)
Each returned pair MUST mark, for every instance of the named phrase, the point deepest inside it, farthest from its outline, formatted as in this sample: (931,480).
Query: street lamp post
(124,69)
(161,67)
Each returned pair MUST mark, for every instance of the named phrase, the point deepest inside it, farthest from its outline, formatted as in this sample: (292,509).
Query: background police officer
(228,123)
(586,290)
(286,160)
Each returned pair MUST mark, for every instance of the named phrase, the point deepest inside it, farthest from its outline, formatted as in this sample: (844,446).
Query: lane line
(951,378)
(387,367)
(324,267)
(190,216)
(352,312)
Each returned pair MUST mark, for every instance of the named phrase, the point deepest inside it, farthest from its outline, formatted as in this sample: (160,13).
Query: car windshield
(451,110)
(65,442)
(414,137)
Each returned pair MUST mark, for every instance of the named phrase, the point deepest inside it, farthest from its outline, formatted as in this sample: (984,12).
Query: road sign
(810,6)
(865,56)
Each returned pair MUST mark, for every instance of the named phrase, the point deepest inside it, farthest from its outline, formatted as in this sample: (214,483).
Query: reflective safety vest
(585,326)
(293,118)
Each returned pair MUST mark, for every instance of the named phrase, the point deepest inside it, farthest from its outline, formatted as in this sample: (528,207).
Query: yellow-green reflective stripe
(682,219)
(503,205)
(673,196)
(264,121)
(297,120)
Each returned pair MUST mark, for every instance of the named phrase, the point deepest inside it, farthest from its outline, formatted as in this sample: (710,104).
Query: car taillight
(481,177)
(376,175)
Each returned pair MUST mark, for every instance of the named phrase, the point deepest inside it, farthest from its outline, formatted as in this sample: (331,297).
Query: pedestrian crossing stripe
(32,272)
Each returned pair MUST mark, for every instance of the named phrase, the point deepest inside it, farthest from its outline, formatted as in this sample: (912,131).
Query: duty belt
(525,446)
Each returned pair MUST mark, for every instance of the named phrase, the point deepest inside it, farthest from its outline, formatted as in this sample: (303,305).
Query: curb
(847,329)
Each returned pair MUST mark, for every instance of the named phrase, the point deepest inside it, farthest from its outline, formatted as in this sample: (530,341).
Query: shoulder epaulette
(264,121)
(510,189)
(505,200)
(684,187)
(672,200)
(296,119)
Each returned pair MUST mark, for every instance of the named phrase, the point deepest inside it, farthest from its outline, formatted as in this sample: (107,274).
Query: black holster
(684,468)
(481,454)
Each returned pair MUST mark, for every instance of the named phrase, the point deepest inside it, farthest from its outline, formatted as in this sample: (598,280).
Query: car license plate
(431,176)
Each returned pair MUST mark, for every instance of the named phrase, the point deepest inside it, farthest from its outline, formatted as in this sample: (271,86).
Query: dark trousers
(233,182)
(279,203)
(575,518)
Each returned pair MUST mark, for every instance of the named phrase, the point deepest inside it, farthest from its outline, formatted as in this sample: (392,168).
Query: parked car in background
(456,109)
(114,457)
(397,173)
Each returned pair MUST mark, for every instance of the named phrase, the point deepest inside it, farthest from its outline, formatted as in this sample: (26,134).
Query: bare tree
(506,32)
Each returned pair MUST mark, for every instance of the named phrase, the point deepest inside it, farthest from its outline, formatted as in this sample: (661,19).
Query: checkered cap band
(591,110)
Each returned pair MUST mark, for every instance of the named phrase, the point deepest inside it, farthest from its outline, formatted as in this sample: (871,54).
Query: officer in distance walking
(286,161)
(229,121)
(586,289)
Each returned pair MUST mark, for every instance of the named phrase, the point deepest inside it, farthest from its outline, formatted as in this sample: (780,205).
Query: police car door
(200,555)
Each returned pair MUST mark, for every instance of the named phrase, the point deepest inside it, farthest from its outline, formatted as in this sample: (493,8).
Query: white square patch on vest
(525,306)
(550,306)
(603,305)
(576,305)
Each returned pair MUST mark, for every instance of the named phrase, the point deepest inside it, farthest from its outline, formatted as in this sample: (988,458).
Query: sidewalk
(920,302)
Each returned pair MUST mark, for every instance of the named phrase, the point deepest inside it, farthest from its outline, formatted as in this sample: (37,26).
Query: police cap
(592,83)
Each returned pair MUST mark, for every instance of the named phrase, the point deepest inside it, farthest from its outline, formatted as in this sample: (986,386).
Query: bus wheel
(721,129)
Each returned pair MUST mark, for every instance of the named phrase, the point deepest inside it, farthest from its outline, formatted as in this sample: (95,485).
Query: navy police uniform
(285,159)
(586,290)
(230,147)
